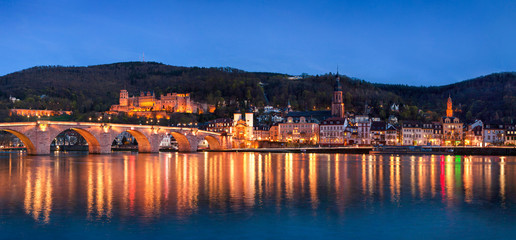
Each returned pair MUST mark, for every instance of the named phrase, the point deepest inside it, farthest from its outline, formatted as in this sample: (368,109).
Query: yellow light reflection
(312,180)
(38,193)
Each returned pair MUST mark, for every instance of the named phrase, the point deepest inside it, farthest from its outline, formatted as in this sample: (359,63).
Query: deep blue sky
(412,42)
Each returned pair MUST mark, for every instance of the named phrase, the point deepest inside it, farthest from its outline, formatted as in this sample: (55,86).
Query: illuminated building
(391,135)
(242,129)
(261,133)
(494,134)
(219,125)
(147,105)
(416,133)
(332,131)
(474,134)
(166,141)
(428,135)
(452,127)
(299,130)
(510,134)
(274,133)
(363,124)
(412,133)
(438,133)
(351,134)
(378,133)
(37,113)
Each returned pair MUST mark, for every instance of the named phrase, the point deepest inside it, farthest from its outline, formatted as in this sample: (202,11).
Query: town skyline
(274,127)
(85,90)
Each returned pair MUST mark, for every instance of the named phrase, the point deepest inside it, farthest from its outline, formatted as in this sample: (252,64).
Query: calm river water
(256,196)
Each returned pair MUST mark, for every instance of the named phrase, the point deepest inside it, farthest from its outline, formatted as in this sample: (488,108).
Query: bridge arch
(25,140)
(143,142)
(183,145)
(213,142)
(93,143)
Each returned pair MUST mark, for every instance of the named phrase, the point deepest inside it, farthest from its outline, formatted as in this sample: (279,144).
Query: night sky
(409,42)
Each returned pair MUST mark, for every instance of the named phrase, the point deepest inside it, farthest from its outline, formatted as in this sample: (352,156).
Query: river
(256,196)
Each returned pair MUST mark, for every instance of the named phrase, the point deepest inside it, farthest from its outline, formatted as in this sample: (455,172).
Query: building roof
(495,125)
(317,115)
(334,121)
(378,126)
(476,128)
(221,120)
(298,120)
(411,124)
(391,127)
(309,114)
(262,127)
(451,118)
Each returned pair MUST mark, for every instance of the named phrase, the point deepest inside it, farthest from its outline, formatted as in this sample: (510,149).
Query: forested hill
(491,97)
(95,88)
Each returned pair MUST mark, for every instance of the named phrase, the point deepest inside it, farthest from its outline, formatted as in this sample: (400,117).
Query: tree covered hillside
(95,88)
(490,98)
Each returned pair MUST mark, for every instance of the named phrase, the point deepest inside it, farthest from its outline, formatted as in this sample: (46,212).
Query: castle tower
(337,105)
(236,117)
(449,109)
(124,98)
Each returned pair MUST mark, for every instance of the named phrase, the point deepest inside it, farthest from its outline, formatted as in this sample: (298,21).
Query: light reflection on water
(301,191)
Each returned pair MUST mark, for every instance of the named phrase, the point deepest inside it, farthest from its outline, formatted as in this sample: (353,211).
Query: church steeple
(337,86)
(449,108)
(337,105)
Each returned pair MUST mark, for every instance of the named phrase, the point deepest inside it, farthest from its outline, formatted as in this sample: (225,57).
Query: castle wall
(170,102)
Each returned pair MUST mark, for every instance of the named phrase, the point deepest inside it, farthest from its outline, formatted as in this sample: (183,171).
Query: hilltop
(95,88)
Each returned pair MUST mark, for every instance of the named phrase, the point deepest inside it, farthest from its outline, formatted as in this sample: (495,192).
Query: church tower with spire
(337,104)
(449,108)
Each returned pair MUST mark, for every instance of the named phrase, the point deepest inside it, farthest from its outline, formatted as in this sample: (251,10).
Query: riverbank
(495,151)
(406,150)
(438,150)
(349,150)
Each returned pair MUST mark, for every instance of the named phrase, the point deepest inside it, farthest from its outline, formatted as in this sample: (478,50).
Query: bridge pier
(104,143)
(154,141)
(194,142)
(105,149)
(41,139)
(42,149)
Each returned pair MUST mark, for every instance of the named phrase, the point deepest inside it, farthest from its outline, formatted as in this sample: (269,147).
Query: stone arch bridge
(37,136)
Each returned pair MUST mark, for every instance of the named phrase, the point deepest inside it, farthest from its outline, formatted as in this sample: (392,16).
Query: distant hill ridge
(95,88)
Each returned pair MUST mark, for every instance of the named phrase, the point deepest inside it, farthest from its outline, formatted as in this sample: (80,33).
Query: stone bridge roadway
(37,136)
